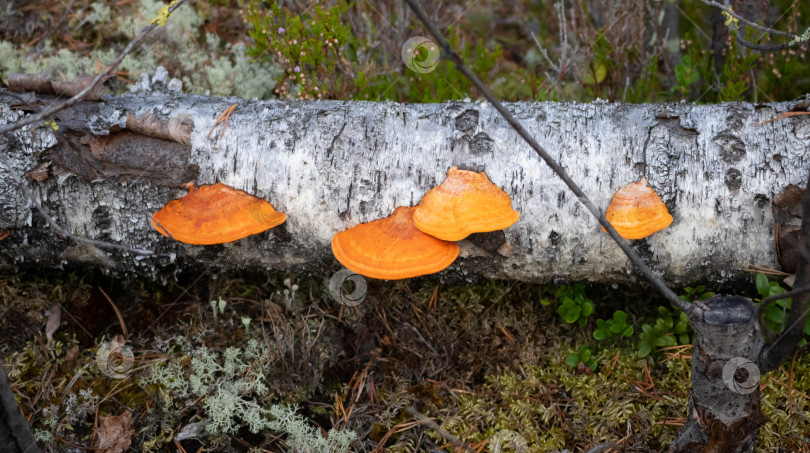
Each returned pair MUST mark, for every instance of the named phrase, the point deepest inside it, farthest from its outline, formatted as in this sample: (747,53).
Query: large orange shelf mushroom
(215,214)
(636,211)
(392,248)
(466,202)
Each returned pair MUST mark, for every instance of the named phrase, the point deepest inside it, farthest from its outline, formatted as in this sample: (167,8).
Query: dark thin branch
(103,75)
(13,417)
(796,41)
(768,300)
(787,294)
(783,348)
(656,281)
(765,47)
(68,9)
(751,24)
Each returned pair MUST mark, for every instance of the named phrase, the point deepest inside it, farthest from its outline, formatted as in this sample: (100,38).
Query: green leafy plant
(596,72)
(442,83)
(670,329)
(573,305)
(614,327)
(776,311)
(734,79)
(685,75)
(584,355)
(696,293)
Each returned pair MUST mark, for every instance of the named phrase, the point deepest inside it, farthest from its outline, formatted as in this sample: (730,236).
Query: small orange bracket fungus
(392,248)
(215,214)
(466,202)
(636,211)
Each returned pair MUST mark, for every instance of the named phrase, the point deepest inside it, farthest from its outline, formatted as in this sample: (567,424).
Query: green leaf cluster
(614,327)
(670,329)
(696,293)
(776,312)
(584,355)
(573,304)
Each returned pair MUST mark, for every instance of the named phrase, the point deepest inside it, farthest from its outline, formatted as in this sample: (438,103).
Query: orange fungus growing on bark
(215,214)
(636,211)
(466,202)
(392,248)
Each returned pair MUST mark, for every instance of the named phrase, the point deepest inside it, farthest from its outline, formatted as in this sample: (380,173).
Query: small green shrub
(308,46)
(696,293)
(685,75)
(584,355)
(614,327)
(777,311)
(670,329)
(573,305)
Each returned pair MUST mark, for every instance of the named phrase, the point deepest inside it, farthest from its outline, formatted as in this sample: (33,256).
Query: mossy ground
(480,358)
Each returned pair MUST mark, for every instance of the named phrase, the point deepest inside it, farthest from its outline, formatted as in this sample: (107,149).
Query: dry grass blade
(784,115)
(223,118)
(117,312)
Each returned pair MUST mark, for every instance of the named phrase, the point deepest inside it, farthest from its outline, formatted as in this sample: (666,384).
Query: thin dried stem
(103,75)
(796,41)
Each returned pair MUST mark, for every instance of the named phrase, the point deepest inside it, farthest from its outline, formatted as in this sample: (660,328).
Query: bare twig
(753,25)
(786,295)
(796,41)
(56,26)
(656,281)
(784,115)
(103,75)
(117,312)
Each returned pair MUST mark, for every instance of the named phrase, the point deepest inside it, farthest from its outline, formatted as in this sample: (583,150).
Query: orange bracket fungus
(466,202)
(392,248)
(636,211)
(215,214)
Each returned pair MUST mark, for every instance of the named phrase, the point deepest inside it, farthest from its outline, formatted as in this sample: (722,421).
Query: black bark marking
(334,139)
(343,215)
(732,148)
(762,200)
(102,219)
(481,144)
(733,179)
(467,122)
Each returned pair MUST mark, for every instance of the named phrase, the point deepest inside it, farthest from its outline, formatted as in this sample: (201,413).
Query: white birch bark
(330,165)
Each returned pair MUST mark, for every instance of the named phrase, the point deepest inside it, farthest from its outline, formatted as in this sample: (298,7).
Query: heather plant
(308,46)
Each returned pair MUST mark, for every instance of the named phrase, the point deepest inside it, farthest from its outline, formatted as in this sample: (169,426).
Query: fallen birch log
(330,165)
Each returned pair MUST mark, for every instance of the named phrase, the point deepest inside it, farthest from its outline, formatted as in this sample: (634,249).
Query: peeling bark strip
(42,83)
(331,165)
